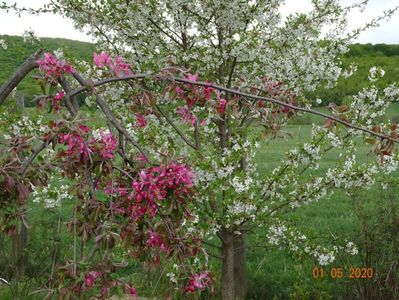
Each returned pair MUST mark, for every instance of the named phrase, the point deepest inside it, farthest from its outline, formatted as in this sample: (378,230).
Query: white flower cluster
(350,174)
(388,164)
(27,126)
(240,211)
(51,195)
(336,141)
(3,44)
(292,54)
(97,133)
(280,235)
(375,73)
(30,37)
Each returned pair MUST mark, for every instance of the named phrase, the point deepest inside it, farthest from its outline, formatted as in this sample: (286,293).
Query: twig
(107,112)
(178,131)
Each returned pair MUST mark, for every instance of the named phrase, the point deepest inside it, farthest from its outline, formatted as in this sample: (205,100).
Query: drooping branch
(244,95)
(102,82)
(22,71)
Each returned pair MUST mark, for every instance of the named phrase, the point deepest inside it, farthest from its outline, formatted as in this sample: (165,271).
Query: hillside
(364,56)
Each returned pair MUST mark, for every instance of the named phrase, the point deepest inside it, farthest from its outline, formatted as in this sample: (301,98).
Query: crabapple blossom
(53,67)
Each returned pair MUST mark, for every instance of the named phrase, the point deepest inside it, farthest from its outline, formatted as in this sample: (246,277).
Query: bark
(19,257)
(19,74)
(70,102)
(227,282)
(240,267)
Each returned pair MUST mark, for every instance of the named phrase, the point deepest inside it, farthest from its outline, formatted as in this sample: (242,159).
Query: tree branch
(31,158)
(23,70)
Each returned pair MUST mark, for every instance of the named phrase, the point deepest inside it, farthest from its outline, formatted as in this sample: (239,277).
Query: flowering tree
(175,166)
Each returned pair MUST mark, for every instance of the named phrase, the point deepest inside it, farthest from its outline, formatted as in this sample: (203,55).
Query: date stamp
(337,272)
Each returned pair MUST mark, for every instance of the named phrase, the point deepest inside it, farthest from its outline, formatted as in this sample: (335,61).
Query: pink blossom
(198,282)
(155,240)
(208,91)
(121,68)
(186,115)
(156,183)
(192,77)
(109,144)
(57,101)
(76,145)
(84,128)
(117,66)
(131,290)
(221,107)
(180,92)
(105,146)
(141,121)
(91,277)
(102,60)
(52,66)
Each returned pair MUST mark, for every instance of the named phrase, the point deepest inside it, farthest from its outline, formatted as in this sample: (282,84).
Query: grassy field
(273,274)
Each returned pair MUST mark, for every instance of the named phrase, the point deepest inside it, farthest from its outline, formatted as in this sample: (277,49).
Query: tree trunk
(240,268)
(19,257)
(227,287)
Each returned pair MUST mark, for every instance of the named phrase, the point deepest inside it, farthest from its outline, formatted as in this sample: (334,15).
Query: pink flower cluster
(53,67)
(156,184)
(78,147)
(196,95)
(155,240)
(187,115)
(198,282)
(117,66)
(141,121)
(105,146)
(221,106)
(56,103)
(91,277)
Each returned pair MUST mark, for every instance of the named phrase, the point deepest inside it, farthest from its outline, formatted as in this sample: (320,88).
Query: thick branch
(70,102)
(19,74)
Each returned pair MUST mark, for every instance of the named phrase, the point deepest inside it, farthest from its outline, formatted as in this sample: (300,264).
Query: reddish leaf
(23,191)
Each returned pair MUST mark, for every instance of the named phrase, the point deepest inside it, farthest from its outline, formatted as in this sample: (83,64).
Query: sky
(50,25)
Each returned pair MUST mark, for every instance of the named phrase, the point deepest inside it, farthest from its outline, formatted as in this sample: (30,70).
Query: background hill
(364,56)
